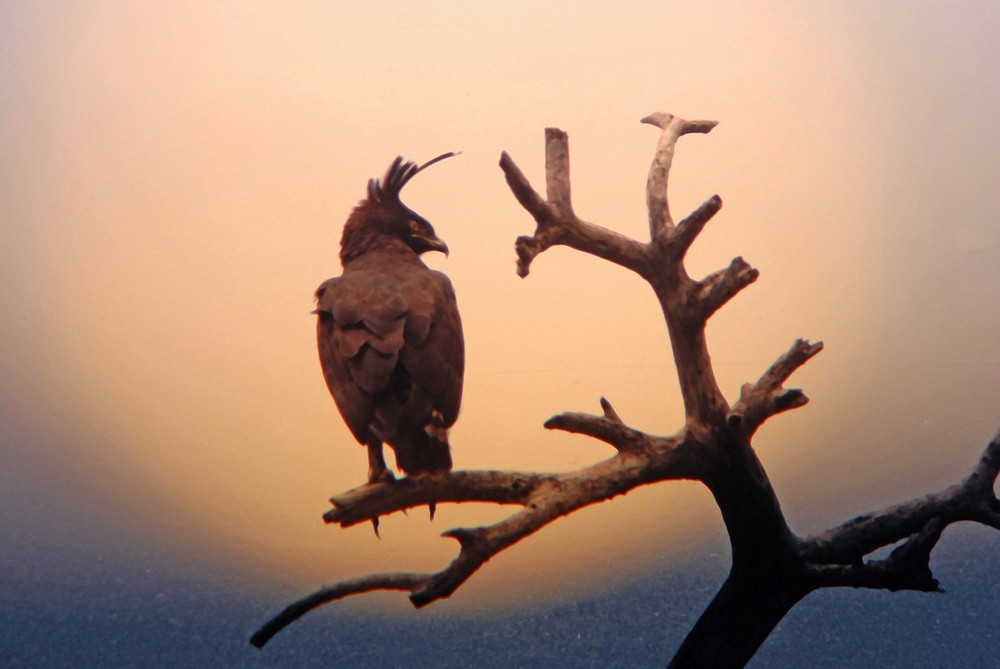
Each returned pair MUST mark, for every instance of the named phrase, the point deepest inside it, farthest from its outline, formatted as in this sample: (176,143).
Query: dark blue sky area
(67,605)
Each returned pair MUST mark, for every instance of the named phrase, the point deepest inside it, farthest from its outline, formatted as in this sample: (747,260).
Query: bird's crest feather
(397,176)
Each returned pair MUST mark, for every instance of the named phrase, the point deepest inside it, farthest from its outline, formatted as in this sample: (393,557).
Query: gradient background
(173,181)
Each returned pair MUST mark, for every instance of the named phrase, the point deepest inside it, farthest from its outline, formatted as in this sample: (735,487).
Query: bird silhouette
(389,333)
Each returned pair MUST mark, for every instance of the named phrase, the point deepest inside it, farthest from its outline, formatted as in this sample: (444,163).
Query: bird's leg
(436,430)
(377,471)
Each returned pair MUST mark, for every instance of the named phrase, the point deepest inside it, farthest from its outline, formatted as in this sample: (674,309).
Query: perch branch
(544,497)
(384,497)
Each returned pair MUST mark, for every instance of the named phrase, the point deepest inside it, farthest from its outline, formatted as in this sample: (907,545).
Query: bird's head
(382,214)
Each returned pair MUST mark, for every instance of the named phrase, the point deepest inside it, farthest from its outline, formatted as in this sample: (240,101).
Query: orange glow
(184,170)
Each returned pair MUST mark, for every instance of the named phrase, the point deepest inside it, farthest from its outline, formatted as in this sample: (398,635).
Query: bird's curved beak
(436,244)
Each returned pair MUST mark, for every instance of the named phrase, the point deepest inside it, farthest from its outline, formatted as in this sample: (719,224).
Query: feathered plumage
(389,334)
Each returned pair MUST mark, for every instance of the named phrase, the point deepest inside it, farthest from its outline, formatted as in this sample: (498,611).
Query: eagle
(389,333)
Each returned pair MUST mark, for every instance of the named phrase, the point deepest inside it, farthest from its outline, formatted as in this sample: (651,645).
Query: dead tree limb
(772,568)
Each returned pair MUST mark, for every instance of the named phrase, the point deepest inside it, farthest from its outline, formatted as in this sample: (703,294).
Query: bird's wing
(360,332)
(434,349)
(372,321)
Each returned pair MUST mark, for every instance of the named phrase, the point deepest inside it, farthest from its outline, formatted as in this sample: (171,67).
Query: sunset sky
(174,178)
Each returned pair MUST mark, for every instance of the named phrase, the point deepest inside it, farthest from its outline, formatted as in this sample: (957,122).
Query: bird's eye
(414,225)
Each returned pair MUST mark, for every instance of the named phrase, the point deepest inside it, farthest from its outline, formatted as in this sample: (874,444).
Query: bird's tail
(427,452)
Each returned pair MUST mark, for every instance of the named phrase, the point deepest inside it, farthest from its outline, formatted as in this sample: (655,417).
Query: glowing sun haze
(176,176)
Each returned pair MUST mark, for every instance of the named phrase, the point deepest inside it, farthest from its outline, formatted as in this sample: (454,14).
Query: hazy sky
(173,181)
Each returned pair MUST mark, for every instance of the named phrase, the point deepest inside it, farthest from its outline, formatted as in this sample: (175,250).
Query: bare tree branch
(557,224)
(327,594)
(720,287)
(656,184)
(772,568)
(610,430)
(557,186)
(687,230)
(767,397)
(972,499)
(609,411)
(544,497)
(385,497)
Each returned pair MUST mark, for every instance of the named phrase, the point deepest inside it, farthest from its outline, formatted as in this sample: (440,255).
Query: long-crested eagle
(389,333)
